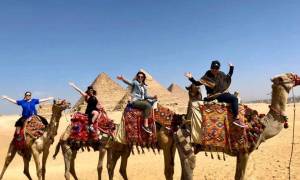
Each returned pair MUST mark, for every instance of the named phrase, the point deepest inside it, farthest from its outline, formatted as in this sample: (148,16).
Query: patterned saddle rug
(219,133)
(134,134)
(80,135)
(33,129)
(167,118)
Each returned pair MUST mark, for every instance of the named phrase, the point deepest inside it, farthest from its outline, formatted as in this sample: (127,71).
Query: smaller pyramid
(179,92)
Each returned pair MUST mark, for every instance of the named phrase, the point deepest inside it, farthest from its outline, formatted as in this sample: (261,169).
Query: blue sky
(45,44)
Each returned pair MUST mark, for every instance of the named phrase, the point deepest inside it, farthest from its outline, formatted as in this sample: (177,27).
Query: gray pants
(143,105)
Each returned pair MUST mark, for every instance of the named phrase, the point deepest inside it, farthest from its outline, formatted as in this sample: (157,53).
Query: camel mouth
(297,80)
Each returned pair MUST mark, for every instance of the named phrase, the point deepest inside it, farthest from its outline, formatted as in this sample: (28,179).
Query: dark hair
(89,88)
(27,92)
(140,72)
(215,65)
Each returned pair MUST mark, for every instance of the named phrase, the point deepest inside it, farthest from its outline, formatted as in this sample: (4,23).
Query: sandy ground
(270,161)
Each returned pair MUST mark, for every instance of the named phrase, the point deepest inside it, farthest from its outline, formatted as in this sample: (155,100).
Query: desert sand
(270,161)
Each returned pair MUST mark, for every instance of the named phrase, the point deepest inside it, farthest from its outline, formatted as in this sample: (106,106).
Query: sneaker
(239,123)
(147,129)
(91,128)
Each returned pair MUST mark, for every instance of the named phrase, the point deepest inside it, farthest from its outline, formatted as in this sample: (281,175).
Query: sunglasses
(27,94)
(141,76)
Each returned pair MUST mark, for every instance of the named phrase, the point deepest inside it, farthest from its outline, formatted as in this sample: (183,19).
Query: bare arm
(124,80)
(77,89)
(46,99)
(9,99)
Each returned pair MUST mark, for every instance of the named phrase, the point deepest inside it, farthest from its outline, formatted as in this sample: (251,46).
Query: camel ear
(187,88)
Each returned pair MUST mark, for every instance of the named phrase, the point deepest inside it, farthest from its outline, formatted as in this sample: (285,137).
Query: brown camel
(117,150)
(273,123)
(40,145)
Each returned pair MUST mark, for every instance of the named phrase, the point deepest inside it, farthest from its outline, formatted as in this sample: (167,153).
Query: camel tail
(56,150)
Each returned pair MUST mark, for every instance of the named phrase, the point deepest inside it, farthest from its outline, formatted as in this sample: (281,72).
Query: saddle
(219,133)
(134,134)
(33,129)
(80,136)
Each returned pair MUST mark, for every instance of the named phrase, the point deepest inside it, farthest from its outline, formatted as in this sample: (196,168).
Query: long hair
(142,73)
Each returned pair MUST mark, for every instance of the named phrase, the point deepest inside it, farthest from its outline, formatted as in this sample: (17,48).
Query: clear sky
(45,44)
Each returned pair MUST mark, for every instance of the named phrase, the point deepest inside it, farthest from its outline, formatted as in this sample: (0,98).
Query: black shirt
(92,102)
(215,84)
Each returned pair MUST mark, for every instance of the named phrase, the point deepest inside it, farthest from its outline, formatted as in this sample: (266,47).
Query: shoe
(91,128)
(239,123)
(147,129)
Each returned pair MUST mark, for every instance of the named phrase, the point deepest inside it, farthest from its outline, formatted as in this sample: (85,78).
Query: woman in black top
(93,105)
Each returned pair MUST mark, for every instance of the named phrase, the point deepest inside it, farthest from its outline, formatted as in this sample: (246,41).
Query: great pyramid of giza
(109,93)
(154,88)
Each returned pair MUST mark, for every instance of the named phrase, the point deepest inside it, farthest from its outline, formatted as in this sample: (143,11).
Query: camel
(116,150)
(273,123)
(40,145)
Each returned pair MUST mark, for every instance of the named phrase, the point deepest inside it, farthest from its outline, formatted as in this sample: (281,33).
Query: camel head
(60,105)
(194,92)
(287,80)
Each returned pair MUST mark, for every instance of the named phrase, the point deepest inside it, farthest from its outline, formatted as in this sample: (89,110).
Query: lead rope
(293,138)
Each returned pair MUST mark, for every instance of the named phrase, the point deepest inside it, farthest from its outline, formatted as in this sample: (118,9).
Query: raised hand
(120,77)
(71,84)
(230,65)
(188,75)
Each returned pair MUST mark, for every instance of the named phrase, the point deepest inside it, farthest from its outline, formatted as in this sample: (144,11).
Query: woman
(28,109)
(140,97)
(93,105)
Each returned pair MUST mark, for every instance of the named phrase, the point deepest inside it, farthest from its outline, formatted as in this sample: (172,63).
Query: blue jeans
(231,99)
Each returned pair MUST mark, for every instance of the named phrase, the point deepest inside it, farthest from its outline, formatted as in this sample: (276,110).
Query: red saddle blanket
(135,135)
(79,131)
(219,132)
(33,127)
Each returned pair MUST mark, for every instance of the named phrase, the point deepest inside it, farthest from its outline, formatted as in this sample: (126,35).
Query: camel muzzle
(297,80)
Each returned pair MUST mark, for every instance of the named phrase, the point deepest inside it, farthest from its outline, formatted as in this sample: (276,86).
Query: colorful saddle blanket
(80,133)
(219,132)
(167,118)
(134,134)
(33,127)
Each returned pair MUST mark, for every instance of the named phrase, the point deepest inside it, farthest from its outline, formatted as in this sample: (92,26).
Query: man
(216,84)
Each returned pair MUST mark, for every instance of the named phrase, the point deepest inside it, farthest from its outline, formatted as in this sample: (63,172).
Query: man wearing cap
(216,84)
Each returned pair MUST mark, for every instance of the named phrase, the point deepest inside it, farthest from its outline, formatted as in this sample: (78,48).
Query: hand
(155,97)
(230,65)
(50,97)
(71,84)
(3,97)
(120,77)
(188,75)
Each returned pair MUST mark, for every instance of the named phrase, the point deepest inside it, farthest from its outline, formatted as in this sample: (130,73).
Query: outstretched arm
(9,99)
(231,67)
(124,80)
(190,77)
(77,89)
(46,99)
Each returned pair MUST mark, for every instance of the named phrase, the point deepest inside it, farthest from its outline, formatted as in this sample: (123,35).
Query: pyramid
(179,92)
(154,88)
(109,93)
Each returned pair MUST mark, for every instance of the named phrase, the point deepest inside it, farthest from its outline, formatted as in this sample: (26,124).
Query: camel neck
(51,131)
(273,121)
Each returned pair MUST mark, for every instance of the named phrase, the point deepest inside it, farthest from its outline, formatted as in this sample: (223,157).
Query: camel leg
(124,159)
(102,152)
(36,157)
(72,165)
(67,153)
(169,154)
(44,160)
(241,164)
(26,160)
(112,158)
(187,162)
(9,157)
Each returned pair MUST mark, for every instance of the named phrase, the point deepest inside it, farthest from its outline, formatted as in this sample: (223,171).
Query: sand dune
(270,161)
